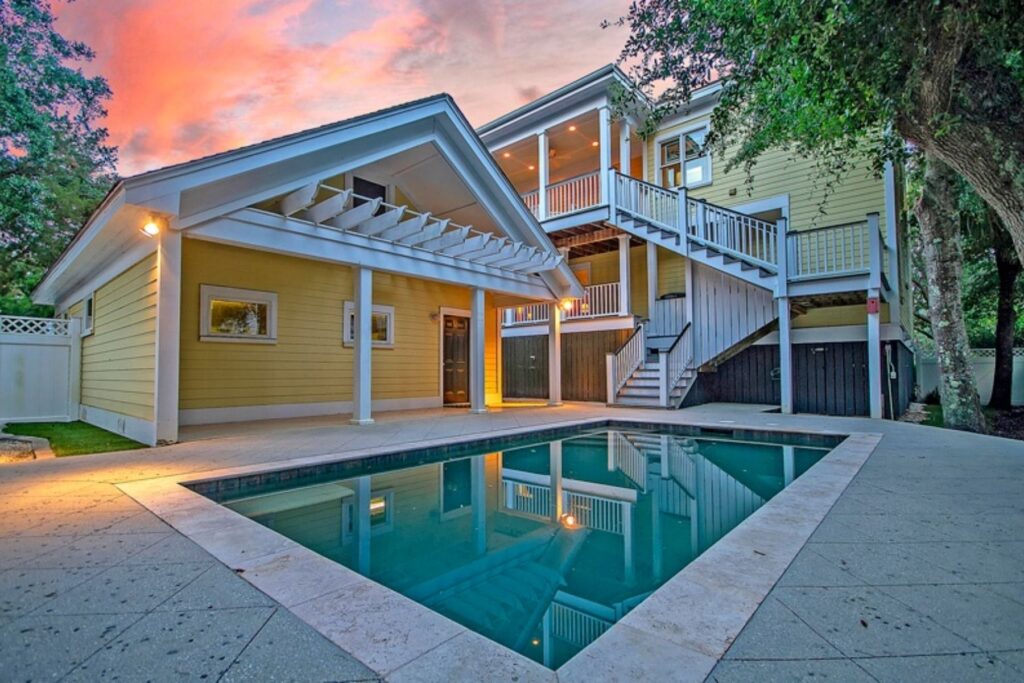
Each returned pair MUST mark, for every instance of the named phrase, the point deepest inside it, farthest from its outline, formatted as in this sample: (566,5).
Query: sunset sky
(192,77)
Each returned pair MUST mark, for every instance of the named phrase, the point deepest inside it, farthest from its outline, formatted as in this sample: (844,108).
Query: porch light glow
(571,128)
(566,305)
(568,520)
(531,167)
(594,143)
(151,229)
(506,155)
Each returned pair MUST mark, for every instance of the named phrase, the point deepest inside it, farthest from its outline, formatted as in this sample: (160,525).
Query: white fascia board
(46,291)
(200,172)
(552,120)
(500,199)
(270,232)
(98,278)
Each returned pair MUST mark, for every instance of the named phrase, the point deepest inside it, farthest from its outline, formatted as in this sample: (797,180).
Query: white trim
(168,337)
(105,275)
(200,416)
(209,292)
(834,334)
(442,311)
(143,431)
(572,326)
(779,201)
(686,129)
(88,314)
(348,312)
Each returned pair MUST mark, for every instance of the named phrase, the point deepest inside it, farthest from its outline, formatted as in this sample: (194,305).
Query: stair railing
(733,232)
(646,201)
(621,364)
(674,363)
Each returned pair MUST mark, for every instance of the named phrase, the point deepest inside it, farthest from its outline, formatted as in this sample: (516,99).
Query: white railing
(576,627)
(648,202)
(19,324)
(531,499)
(833,250)
(730,231)
(597,301)
(532,201)
(681,466)
(624,362)
(676,361)
(593,512)
(629,460)
(574,194)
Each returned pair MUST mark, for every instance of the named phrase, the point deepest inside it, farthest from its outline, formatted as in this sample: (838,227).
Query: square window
(684,161)
(382,325)
(241,315)
(88,314)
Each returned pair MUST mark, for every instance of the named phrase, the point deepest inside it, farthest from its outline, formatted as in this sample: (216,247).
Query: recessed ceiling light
(572,127)
(594,143)
(506,155)
(531,167)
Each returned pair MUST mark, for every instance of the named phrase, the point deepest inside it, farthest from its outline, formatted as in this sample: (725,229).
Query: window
(684,161)
(88,308)
(382,517)
(382,325)
(239,315)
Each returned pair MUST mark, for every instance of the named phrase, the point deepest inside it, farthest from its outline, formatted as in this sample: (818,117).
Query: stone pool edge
(685,626)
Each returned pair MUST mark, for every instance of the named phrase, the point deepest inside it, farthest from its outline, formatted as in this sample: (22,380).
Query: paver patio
(916,573)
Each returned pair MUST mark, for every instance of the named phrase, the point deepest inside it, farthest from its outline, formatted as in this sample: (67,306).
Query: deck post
(652,278)
(361,523)
(604,149)
(663,387)
(684,219)
(874,357)
(557,494)
(477,386)
(785,357)
(624,294)
(625,148)
(542,175)
(168,336)
(362,281)
(788,464)
(609,366)
(554,355)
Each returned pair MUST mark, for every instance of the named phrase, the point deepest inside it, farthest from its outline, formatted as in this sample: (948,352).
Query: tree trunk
(1008,267)
(937,214)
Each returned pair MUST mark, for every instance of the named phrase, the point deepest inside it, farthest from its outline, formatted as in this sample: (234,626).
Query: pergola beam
(329,208)
(300,199)
(377,224)
(355,216)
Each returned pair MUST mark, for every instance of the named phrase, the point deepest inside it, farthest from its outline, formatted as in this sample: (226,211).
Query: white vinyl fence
(984,363)
(40,361)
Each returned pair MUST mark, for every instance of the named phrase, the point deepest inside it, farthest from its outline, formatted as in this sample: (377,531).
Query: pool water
(540,547)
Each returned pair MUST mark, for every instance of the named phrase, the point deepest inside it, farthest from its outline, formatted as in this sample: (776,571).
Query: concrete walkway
(916,572)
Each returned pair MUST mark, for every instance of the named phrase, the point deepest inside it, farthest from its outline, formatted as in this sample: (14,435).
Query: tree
(938,216)
(947,75)
(55,165)
(1008,269)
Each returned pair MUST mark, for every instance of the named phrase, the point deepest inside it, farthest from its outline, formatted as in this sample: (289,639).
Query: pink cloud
(191,78)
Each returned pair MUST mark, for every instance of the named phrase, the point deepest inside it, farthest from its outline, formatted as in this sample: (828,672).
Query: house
(777,291)
(402,260)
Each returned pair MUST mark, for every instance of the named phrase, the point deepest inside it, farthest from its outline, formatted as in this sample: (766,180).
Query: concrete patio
(916,573)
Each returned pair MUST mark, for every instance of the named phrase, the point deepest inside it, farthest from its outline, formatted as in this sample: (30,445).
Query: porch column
(555,474)
(788,464)
(477,396)
(361,524)
(624,294)
(478,498)
(168,336)
(625,148)
(652,278)
(554,355)
(604,148)
(785,356)
(362,283)
(874,354)
(542,175)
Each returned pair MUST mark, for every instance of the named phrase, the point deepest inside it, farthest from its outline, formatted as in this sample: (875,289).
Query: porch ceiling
(586,240)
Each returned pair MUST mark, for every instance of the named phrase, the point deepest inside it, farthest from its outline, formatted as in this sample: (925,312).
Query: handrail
(733,232)
(639,326)
(677,360)
(628,358)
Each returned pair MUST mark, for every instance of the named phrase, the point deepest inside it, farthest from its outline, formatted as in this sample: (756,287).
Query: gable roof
(188,192)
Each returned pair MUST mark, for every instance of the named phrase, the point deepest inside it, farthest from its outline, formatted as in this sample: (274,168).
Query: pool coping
(681,630)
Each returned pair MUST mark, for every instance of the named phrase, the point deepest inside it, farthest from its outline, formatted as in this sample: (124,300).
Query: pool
(538,542)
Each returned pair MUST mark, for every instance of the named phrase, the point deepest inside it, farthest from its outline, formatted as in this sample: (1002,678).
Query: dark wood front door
(456,359)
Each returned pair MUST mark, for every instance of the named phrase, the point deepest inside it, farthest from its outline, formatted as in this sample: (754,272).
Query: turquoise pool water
(540,545)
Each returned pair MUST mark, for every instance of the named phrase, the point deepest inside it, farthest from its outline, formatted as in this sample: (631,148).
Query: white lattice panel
(15,324)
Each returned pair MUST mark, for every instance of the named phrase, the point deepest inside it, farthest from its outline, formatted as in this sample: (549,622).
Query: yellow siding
(834,316)
(119,357)
(309,364)
(671,272)
(780,172)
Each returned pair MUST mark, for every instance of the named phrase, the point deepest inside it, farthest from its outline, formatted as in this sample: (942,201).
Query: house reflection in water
(543,547)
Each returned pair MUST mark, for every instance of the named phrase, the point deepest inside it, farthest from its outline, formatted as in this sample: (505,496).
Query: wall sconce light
(566,305)
(568,520)
(150,229)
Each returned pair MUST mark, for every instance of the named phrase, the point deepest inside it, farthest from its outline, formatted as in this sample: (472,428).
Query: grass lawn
(74,438)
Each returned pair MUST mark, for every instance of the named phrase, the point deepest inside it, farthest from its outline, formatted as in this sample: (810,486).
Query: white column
(652,278)
(75,370)
(555,355)
(625,147)
(542,175)
(785,356)
(875,356)
(604,148)
(555,474)
(624,294)
(627,542)
(168,335)
(477,386)
(478,500)
(788,464)
(362,283)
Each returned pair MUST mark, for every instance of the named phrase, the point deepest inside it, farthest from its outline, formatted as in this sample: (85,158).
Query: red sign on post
(874,305)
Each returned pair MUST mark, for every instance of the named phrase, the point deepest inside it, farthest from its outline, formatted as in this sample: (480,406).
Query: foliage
(74,438)
(55,165)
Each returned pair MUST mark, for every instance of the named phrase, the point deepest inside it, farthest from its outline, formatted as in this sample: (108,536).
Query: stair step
(639,391)
(642,382)
(637,402)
